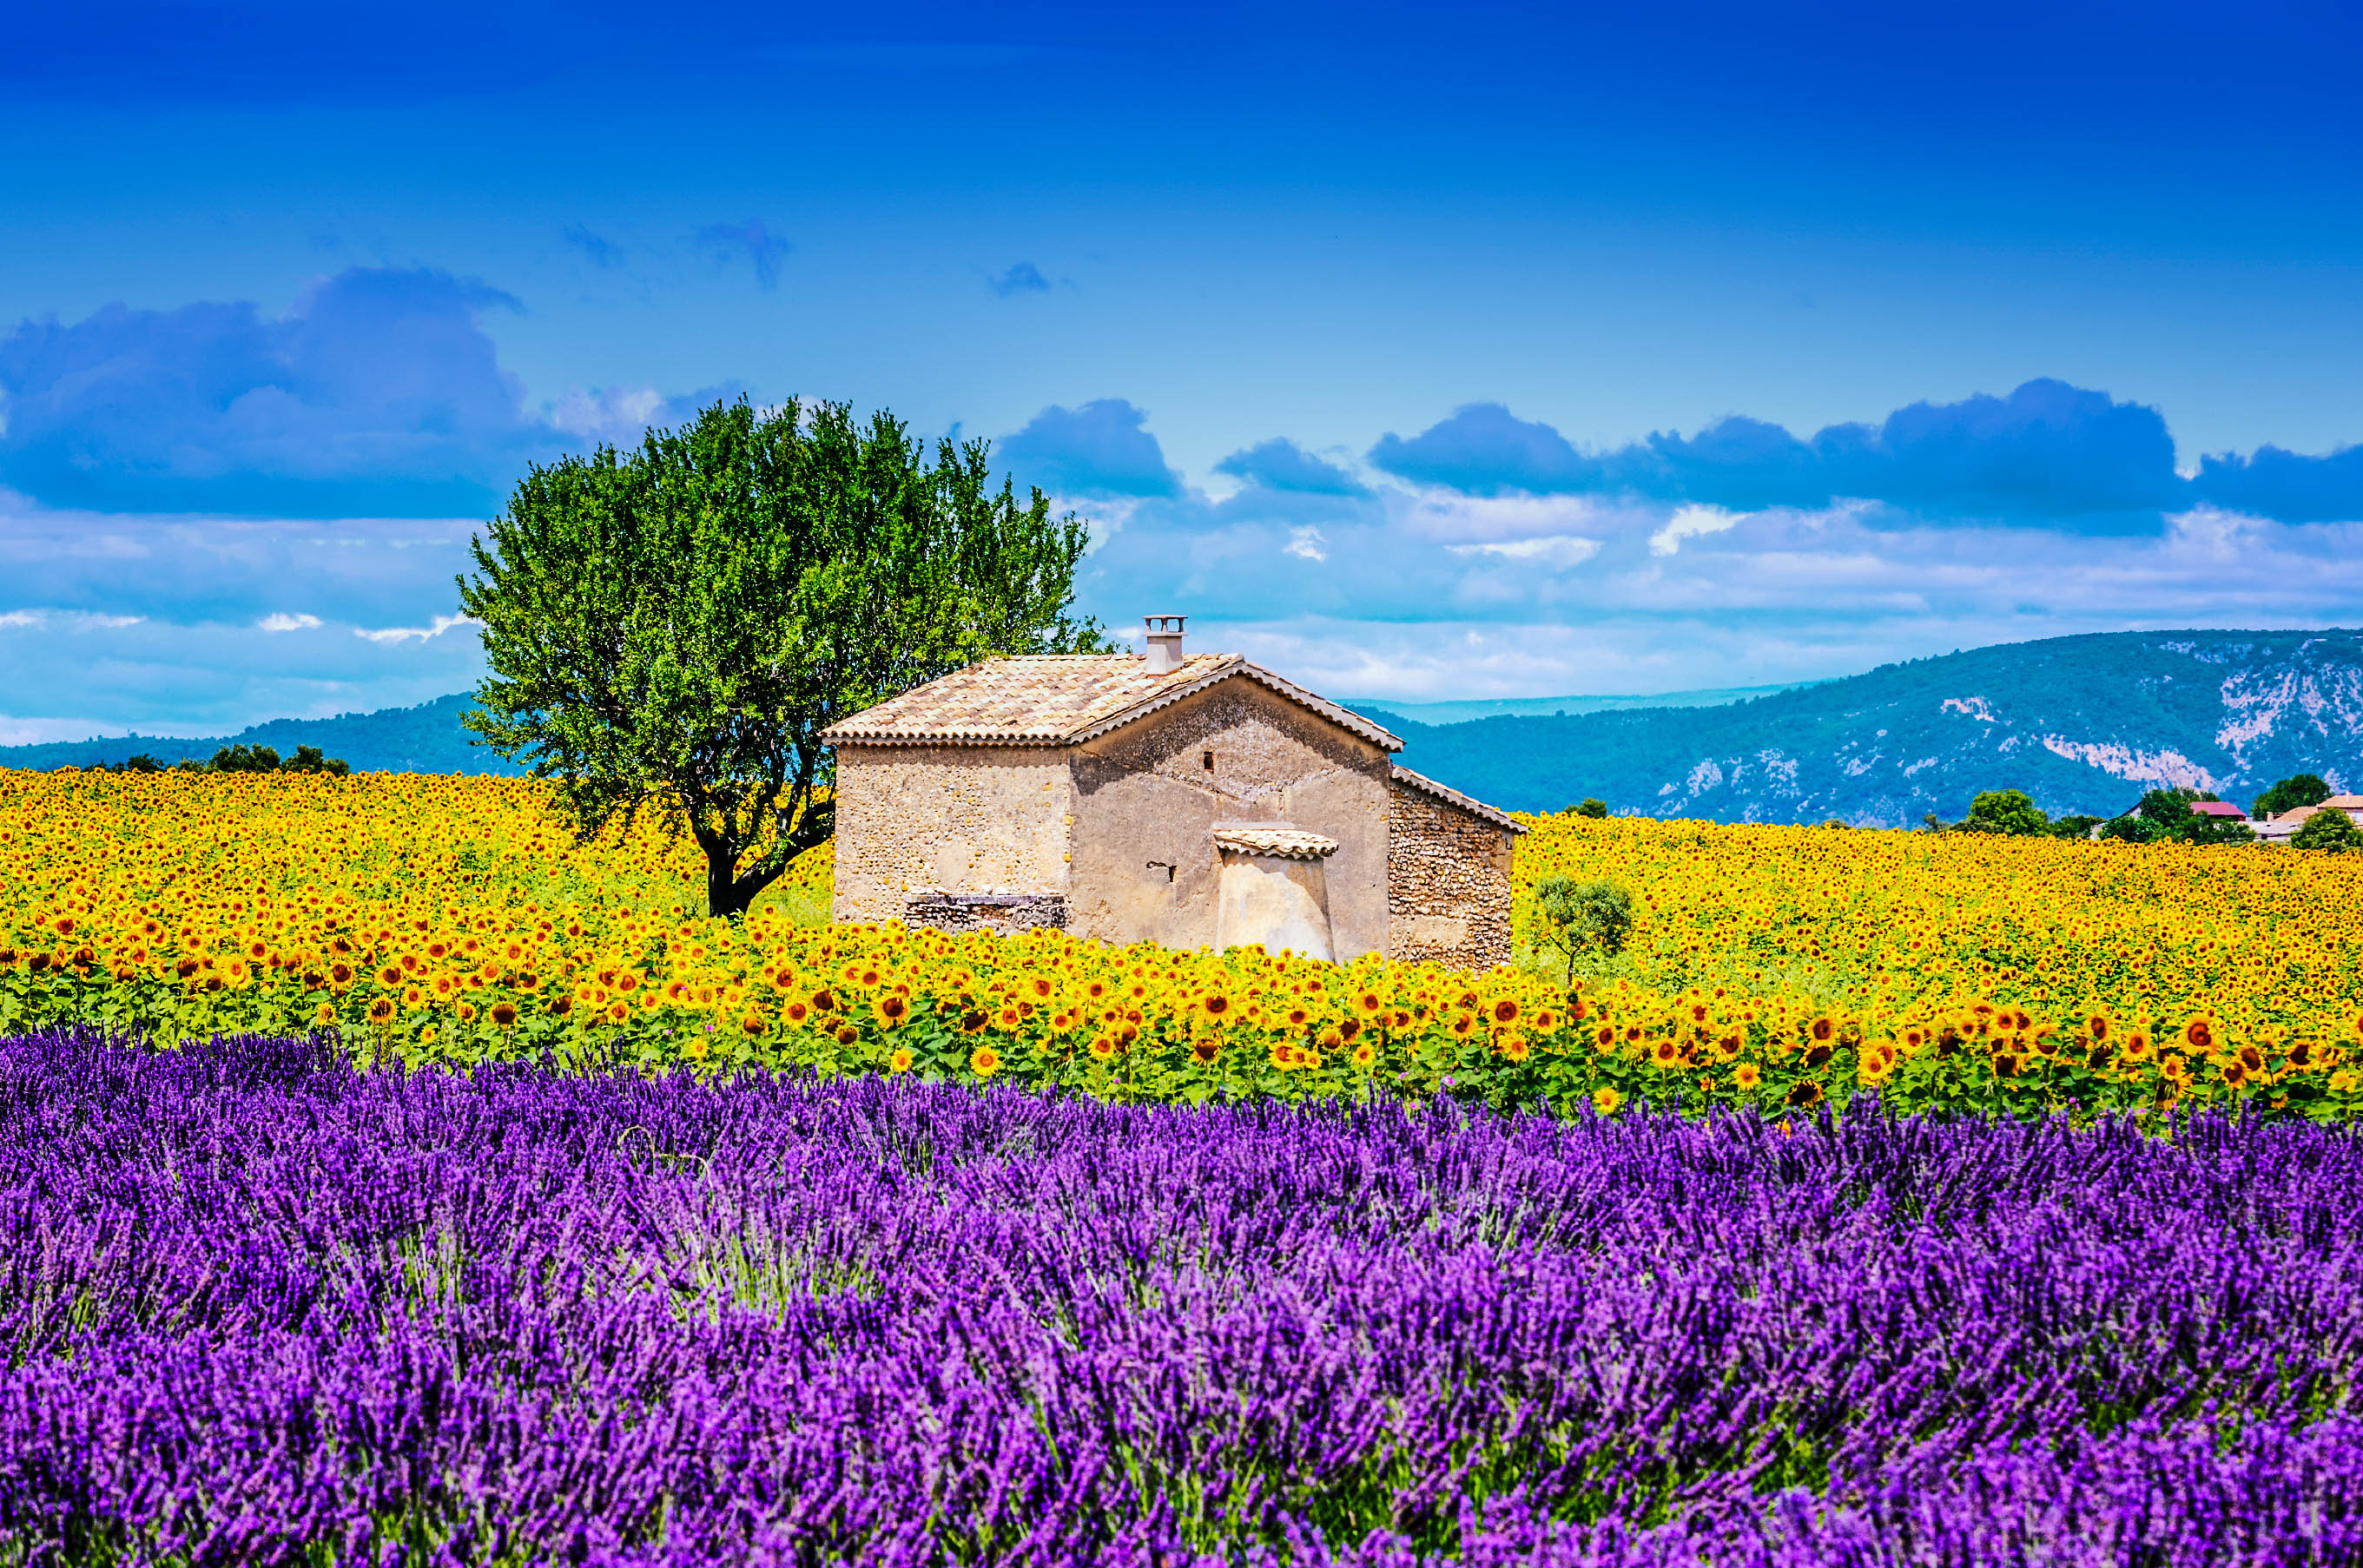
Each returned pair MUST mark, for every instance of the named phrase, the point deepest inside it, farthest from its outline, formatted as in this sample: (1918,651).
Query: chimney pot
(1164,643)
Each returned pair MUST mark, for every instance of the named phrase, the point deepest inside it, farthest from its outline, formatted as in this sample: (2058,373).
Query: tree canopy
(2010,811)
(2329,828)
(2298,789)
(1572,918)
(672,627)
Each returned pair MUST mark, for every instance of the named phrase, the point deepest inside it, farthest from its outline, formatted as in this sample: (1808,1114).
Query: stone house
(1185,798)
(2282,826)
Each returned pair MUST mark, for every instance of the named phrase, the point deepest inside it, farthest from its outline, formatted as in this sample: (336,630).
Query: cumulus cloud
(2050,454)
(1024,278)
(1280,464)
(1100,449)
(2286,486)
(751,242)
(280,621)
(377,393)
(1483,449)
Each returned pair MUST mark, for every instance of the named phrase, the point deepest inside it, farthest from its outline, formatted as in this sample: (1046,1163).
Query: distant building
(1190,800)
(2282,826)
(2223,809)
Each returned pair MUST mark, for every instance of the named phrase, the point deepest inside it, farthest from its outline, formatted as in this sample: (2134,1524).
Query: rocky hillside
(2084,724)
(2081,724)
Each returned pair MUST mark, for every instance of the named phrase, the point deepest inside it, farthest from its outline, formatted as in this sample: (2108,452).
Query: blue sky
(1422,351)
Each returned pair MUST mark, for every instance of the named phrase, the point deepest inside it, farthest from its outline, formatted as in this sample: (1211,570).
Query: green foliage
(244,759)
(2329,829)
(1592,806)
(2075,826)
(2165,814)
(672,629)
(2201,829)
(2298,789)
(261,759)
(308,759)
(1572,918)
(139,761)
(2169,810)
(2010,811)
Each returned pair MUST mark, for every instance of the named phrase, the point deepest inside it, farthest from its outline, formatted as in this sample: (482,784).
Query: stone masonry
(1448,882)
(1092,793)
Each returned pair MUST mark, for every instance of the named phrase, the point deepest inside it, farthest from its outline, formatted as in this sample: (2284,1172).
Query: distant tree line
(237,759)
(2162,816)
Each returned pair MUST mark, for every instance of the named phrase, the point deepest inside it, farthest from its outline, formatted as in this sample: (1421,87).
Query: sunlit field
(449,919)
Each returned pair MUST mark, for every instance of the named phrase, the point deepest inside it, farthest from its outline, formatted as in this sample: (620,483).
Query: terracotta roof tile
(1278,839)
(1060,700)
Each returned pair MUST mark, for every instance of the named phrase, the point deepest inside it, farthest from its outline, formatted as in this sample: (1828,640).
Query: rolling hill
(424,739)
(2083,723)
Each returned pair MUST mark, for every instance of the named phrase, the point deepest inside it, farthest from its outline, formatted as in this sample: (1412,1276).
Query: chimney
(1164,643)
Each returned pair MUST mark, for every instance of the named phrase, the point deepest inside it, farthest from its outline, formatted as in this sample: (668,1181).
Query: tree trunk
(727,894)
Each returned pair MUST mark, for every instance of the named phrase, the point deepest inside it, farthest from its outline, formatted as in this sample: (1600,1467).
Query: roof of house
(2350,805)
(1452,797)
(2217,809)
(1278,839)
(1063,699)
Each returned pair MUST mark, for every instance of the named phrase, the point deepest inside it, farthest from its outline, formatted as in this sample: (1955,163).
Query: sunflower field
(445,920)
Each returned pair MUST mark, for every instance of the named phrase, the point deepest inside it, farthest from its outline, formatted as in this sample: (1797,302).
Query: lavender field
(261,1308)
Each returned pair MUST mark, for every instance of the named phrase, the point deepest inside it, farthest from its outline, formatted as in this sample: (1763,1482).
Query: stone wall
(1447,883)
(1146,805)
(1001,913)
(913,821)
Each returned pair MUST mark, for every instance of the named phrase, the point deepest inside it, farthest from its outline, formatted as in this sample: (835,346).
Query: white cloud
(280,621)
(1688,522)
(65,621)
(1307,543)
(1559,550)
(1448,516)
(617,416)
(389,635)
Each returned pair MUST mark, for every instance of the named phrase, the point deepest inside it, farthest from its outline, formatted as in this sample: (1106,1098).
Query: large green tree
(2011,811)
(2298,789)
(671,628)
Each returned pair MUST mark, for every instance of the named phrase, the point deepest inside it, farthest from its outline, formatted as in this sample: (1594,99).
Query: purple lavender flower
(259,1306)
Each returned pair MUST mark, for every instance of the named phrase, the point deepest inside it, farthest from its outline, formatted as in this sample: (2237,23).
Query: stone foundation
(1001,913)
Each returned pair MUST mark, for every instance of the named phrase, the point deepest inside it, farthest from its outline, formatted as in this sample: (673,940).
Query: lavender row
(261,1308)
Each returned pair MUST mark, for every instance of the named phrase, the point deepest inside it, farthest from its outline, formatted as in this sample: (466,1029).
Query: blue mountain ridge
(424,739)
(2083,723)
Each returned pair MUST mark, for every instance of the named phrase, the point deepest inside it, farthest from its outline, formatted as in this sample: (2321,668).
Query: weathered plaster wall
(956,818)
(1146,806)
(1447,884)
(1280,902)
